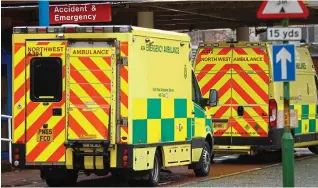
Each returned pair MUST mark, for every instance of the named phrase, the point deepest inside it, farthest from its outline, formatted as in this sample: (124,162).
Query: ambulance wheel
(153,175)
(204,163)
(313,149)
(212,157)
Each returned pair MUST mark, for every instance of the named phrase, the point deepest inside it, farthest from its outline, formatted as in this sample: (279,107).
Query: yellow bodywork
(152,89)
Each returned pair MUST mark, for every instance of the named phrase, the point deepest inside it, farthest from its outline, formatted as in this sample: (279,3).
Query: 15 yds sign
(80,13)
(281,33)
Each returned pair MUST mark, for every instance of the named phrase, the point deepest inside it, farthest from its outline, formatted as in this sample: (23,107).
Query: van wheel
(153,174)
(313,149)
(212,157)
(204,163)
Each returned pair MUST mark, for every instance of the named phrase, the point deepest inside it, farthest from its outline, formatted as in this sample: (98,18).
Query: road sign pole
(287,140)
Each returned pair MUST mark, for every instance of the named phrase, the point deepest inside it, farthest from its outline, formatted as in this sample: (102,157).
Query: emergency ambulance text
(236,59)
(160,48)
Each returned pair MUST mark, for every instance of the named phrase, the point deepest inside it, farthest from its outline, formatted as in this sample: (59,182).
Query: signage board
(284,33)
(278,9)
(80,13)
(284,62)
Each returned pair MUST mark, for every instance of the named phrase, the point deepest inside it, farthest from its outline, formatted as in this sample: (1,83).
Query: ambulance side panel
(160,103)
(303,99)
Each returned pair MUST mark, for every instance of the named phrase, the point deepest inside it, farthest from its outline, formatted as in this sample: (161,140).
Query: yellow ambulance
(246,118)
(102,99)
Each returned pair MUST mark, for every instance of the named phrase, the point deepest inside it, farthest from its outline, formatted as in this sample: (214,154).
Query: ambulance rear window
(46,79)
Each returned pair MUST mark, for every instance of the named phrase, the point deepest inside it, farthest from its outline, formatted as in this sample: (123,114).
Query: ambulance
(107,99)
(246,119)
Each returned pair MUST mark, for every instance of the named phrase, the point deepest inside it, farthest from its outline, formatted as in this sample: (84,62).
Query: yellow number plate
(219,125)
(45,135)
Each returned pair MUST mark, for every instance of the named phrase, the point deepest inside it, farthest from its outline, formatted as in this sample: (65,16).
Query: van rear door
(90,86)
(240,74)
(45,99)
(250,79)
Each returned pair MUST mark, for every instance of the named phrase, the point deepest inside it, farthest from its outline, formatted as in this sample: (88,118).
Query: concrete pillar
(145,19)
(243,34)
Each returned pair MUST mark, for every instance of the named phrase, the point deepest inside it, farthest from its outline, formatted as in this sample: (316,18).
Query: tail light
(16,151)
(16,157)
(125,152)
(272,113)
(125,158)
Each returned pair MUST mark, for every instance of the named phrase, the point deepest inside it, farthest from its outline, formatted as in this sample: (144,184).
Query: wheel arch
(210,141)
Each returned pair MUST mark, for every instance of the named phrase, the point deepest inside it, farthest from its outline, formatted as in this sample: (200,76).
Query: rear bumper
(249,145)
(80,155)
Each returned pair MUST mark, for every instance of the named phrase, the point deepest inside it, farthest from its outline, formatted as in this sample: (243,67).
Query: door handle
(240,110)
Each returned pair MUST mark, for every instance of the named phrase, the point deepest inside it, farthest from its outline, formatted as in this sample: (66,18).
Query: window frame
(32,96)
(197,91)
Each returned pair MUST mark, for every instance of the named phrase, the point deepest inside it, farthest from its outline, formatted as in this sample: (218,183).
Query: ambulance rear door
(91,82)
(250,80)
(45,98)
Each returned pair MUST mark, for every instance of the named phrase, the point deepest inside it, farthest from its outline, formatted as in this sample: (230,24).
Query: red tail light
(16,157)
(125,151)
(272,113)
(16,150)
(125,158)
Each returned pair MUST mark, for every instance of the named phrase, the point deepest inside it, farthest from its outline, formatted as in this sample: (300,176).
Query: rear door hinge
(124,61)
(123,121)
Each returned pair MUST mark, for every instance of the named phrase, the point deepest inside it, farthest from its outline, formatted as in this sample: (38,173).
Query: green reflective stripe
(198,111)
(298,129)
(139,131)
(208,122)
(180,108)
(154,109)
(189,128)
(305,111)
(167,130)
(312,125)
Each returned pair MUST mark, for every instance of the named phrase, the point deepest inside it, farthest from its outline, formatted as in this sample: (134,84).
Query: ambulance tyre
(153,175)
(204,163)
(212,157)
(313,149)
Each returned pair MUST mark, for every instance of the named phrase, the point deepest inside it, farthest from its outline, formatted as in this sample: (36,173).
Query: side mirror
(213,98)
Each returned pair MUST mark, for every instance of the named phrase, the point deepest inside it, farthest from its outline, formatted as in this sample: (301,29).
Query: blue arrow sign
(284,62)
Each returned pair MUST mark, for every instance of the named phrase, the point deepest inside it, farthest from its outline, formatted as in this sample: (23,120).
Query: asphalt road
(306,175)
(222,168)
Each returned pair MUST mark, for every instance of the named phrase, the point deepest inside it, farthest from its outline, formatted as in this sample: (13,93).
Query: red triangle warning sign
(278,9)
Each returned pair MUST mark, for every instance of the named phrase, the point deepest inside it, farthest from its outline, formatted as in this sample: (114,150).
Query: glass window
(46,79)
(197,97)
(316,81)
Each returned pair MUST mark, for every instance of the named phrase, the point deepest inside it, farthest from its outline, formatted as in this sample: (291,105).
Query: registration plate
(219,125)
(45,135)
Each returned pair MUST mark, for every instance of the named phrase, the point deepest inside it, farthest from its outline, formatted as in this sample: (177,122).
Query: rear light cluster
(16,156)
(73,29)
(125,158)
(272,113)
